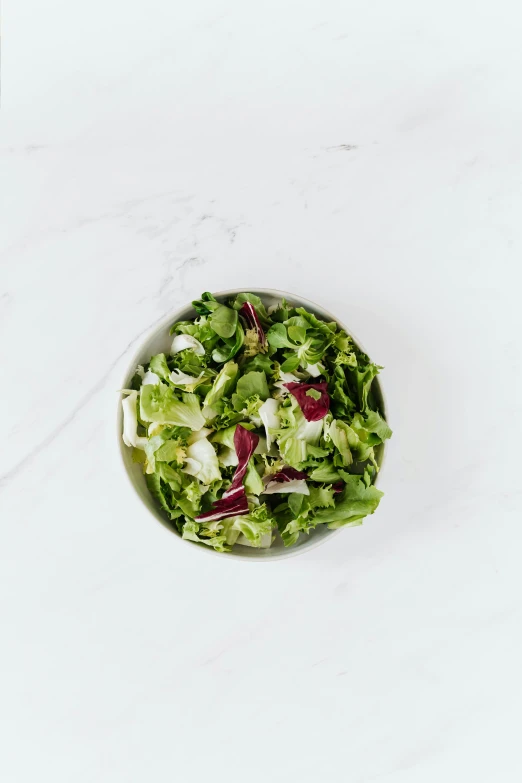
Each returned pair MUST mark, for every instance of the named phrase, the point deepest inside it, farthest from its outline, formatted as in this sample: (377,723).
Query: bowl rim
(169,319)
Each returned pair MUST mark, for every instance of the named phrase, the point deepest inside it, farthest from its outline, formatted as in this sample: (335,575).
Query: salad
(259,421)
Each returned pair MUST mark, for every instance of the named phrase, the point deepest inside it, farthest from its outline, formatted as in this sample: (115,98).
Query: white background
(366,155)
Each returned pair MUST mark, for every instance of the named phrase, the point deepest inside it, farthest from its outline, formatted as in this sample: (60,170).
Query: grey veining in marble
(366,156)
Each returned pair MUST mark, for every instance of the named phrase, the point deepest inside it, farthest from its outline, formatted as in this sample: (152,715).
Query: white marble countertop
(364,155)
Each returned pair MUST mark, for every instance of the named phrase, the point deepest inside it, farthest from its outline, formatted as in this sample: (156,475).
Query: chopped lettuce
(354,503)
(158,365)
(298,486)
(130,422)
(325,472)
(253,482)
(224,321)
(184,342)
(342,436)
(269,417)
(313,399)
(203,453)
(254,300)
(150,378)
(189,382)
(253,383)
(171,451)
(259,419)
(160,404)
(254,525)
(228,347)
(223,385)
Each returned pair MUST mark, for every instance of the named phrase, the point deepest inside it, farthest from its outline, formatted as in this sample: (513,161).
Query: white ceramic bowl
(158,341)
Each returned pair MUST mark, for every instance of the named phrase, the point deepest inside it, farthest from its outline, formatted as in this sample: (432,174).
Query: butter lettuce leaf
(161,404)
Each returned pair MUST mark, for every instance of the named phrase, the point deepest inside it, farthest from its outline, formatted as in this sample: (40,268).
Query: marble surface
(366,156)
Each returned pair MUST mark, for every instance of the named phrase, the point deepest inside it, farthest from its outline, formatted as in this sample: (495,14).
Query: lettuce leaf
(277,337)
(326,472)
(203,452)
(244,443)
(313,399)
(224,321)
(206,304)
(252,299)
(185,342)
(223,385)
(268,413)
(295,428)
(159,490)
(201,330)
(372,423)
(256,524)
(260,361)
(130,422)
(158,364)
(160,404)
(364,376)
(258,341)
(228,348)
(253,482)
(355,502)
(343,436)
(253,383)
(171,451)
(230,506)
(191,531)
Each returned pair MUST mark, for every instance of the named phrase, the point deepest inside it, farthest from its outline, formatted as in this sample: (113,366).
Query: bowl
(159,340)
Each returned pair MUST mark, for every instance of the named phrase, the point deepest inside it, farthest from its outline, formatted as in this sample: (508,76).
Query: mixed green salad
(259,421)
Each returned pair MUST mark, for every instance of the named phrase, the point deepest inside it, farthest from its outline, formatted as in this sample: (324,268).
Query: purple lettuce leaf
(248,311)
(313,409)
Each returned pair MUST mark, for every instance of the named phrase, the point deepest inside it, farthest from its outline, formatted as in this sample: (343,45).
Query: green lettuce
(364,376)
(252,383)
(325,472)
(373,424)
(203,461)
(223,385)
(220,373)
(254,525)
(191,532)
(228,347)
(296,434)
(343,436)
(253,483)
(354,503)
(160,404)
(224,321)
(158,364)
(299,513)
(206,304)
(161,491)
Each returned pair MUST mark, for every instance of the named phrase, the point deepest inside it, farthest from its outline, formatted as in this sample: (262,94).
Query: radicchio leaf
(286,480)
(234,501)
(288,474)
(226,507)
(313,410)
(248,311)
(245,443)
(338,487)
(295,486)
